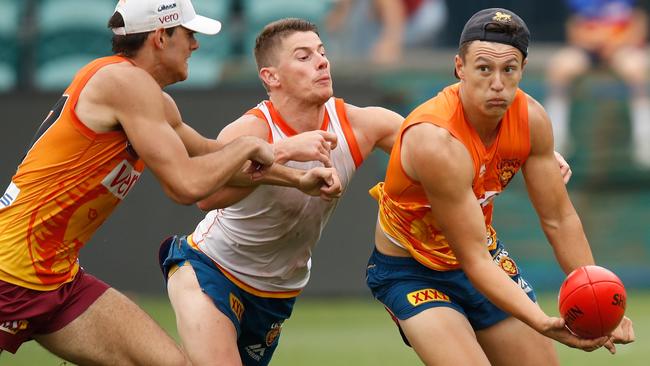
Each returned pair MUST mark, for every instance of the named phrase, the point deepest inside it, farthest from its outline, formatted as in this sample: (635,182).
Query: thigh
(513,343)
(208,335)
(113,331)
(443,336)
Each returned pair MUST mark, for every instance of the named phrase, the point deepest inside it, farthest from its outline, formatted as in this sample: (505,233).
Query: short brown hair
(129,45)
(273,33)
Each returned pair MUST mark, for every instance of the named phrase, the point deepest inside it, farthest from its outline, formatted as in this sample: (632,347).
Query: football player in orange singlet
(438,266)
(110,122)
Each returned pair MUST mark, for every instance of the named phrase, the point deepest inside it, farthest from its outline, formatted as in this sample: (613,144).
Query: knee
(172,356)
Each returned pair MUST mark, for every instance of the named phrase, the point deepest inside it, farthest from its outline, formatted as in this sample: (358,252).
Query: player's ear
(458,65)
(269,76)
(158,37)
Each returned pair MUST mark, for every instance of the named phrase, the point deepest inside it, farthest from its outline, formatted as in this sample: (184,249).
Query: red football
(592,301)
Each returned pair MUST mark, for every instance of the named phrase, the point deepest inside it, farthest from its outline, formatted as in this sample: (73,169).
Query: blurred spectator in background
(609,33)
(381,29)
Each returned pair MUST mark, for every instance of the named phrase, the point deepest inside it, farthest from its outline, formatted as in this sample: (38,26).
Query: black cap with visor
(496,25)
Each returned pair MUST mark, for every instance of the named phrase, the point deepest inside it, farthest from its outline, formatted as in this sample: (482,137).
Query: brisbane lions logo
(507,169)
(502,17)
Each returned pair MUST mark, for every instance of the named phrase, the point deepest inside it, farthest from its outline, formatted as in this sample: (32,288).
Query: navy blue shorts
(406,288)
(258,320)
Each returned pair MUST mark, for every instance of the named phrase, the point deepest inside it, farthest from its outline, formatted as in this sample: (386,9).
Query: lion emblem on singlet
(507,168)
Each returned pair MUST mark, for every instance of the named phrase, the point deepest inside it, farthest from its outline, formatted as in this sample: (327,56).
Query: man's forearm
(276,174)
(570,245)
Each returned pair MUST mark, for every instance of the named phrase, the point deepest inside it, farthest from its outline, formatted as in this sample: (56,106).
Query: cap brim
(203,25)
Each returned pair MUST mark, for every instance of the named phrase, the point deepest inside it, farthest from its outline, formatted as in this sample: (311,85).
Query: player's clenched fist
(307,146)
(323,182)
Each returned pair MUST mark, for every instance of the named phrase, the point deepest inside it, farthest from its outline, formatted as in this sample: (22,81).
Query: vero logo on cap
(169,18)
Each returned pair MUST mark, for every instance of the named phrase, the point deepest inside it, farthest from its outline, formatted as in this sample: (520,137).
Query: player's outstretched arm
(559,219)
(319,181)
(137,102)
(307,146)
(549,196)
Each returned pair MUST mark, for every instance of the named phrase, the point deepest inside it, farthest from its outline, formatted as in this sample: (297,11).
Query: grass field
(346,332)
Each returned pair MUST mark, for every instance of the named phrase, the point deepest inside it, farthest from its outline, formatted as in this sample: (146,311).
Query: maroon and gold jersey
(68,183)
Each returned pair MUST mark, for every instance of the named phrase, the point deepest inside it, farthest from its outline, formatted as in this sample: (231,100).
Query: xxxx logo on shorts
(14,326)
(426,295)
(236,306)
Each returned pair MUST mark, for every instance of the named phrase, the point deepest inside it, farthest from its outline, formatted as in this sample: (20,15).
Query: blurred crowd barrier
(45,41)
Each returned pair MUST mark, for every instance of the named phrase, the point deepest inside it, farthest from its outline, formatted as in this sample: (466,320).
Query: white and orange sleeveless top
(404,210)
(264,242)
(68,183)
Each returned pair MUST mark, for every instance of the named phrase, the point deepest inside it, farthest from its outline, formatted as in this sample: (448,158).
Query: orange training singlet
(404,210)
(68,183)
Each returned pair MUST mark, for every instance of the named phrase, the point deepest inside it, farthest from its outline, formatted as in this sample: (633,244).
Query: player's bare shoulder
(536,112)
(109,89)
(541,130)
(246,125)
(431,150)
(120,93)
(433,141)
(122,78)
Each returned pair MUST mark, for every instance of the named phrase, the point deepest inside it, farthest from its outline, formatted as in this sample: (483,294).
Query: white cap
(148,15)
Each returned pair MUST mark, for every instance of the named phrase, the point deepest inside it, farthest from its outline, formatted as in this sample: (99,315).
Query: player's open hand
(306,146)
(555,328)
(623,334)
(323,182)
(565,168)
